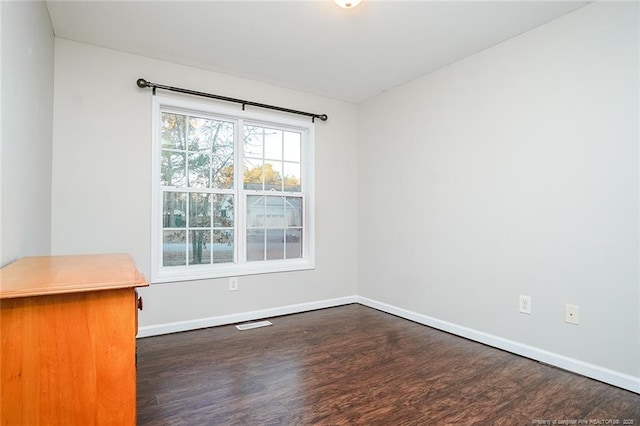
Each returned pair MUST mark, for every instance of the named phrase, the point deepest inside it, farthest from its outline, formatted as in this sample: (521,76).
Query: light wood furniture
(68,327)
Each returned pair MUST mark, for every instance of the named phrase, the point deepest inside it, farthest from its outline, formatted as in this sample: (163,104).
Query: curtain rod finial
(142,83)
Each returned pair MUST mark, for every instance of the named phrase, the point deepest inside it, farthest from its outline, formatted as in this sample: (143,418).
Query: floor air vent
(251,325)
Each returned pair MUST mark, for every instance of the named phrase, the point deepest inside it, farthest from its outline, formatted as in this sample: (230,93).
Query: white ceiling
(313,46)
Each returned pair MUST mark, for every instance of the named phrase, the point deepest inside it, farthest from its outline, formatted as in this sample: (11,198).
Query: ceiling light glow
(347,4)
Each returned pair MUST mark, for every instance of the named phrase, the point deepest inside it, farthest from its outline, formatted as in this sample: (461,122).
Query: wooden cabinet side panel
(68,359)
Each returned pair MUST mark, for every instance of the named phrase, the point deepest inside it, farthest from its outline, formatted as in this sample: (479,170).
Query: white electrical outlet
(571,314)
(233,283)
(525,304)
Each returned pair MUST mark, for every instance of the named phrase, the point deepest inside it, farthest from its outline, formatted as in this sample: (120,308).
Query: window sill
(197,272)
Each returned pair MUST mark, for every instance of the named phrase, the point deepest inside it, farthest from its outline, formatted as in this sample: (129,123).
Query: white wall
(102,169)
(26,122)
(514,171)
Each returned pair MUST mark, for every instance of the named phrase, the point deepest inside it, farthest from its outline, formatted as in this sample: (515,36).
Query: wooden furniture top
(45,275)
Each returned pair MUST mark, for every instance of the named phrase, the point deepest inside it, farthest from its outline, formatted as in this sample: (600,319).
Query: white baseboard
(174,327)
(612,377)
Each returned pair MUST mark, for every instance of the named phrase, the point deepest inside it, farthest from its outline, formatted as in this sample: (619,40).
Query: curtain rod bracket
(142,83)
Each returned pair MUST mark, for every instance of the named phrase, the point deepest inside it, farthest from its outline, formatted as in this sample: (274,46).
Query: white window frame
(240,266)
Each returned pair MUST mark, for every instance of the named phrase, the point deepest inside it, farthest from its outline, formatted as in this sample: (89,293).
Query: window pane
(255,244)
(222,246)
(222,133)
(292,177)
(199,134)
(199,210)
(223,175)
(273,144)
(199,247)
(253,174)
(199,168)
(293,206)
(222,211)
(253,141)
(222,154)
(173,131)
(273,175)
(294,243)
(275,212)
(206,133)
(292,147)
(255,211)
(174,248)
(275,244)
(174,210)
(172,171)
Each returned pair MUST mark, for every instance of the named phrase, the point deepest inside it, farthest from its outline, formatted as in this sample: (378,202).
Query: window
(232,192)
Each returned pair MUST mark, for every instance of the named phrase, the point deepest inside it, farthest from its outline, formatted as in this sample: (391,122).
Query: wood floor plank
(356,365)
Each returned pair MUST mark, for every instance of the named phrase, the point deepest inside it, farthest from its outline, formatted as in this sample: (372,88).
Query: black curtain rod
(142,83)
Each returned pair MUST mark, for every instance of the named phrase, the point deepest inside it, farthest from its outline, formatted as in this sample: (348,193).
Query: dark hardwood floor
(356,365)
